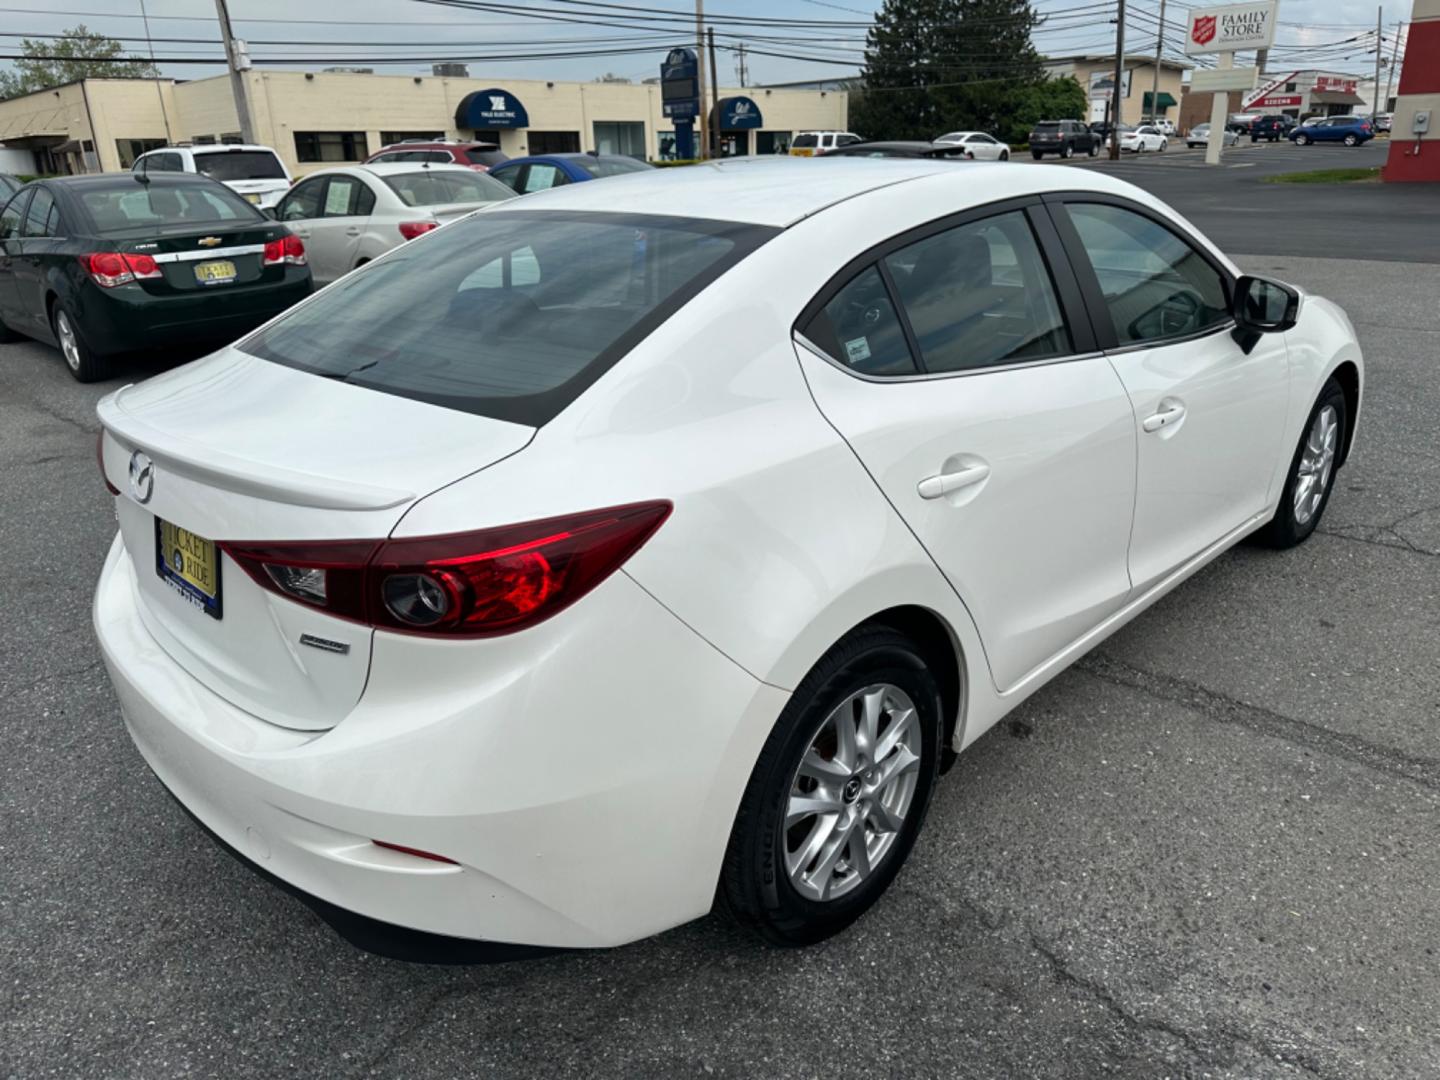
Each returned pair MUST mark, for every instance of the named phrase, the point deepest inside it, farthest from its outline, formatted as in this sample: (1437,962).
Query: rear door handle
(1167,416)
(932,487)
(353,230)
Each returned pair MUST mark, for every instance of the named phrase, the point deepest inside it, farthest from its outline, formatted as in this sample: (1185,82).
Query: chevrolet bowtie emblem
(208,241)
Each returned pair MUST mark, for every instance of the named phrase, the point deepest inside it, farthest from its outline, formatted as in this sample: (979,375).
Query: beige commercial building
(1096,75)
(315,119)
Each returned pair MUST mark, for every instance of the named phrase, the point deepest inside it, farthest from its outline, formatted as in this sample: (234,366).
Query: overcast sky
(438,32)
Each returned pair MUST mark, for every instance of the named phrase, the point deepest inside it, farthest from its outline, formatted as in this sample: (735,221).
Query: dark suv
(1269,128)
(479,156)
(1064,137)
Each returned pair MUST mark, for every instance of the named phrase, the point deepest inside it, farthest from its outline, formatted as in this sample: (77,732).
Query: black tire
(1351,140)
(1069,151)
(1036,154)
(1004,155)
(755,888)
(1094,147)
(1283,530)
(1302,140)
(84,364)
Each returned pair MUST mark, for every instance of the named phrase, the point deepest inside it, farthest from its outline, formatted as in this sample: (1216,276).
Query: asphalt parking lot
(1207,851)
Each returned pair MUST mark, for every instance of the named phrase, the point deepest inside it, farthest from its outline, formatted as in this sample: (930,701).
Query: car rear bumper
(585,797)
(128,319)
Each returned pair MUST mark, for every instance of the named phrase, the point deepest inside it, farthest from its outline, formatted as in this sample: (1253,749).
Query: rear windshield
(508,314)
(135,205)
(488,158)
(803,141)
(599,167)
(1048,125)
(432,187)
(239,165)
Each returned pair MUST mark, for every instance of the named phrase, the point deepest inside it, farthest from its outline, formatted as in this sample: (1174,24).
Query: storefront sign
(1231,28)
(1102,84)
(491,109)
(1277,101)
(738,114)
(1222,80)
(1338,83)
(680,85)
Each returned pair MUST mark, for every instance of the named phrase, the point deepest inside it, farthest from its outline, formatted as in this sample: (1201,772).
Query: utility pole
(715,128)
(238,64)
(1119,83)
(700,69)
(1379,55)
(1390,75)
(1155,81)
(740,61)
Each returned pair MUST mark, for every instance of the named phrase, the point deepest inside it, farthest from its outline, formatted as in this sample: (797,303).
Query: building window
(130,149)
(232,138)
(772,142)
(491,135)
(1289,88)
(623,137)
(203,140)
(331,146)
(553,142)
(390,138)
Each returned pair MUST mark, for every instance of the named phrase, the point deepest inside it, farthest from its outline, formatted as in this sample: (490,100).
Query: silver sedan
(1200,136)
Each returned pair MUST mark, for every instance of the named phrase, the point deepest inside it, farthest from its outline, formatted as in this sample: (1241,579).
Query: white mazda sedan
(644,545)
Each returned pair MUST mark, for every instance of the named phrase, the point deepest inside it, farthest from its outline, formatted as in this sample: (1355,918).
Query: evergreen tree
(79,54)
(933,66)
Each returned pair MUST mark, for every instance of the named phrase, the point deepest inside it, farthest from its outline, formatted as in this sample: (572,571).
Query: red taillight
(411,229)
(494,581)
(100,459)
(288,249)
(111,268)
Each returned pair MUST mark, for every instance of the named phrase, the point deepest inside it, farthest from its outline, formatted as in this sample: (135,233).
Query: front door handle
(1168,415)
(932,487)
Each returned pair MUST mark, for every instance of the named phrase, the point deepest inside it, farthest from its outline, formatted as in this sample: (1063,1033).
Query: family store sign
(1231,28)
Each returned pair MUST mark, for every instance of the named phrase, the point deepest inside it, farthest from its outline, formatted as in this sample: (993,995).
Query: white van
(255,173)
(815,143)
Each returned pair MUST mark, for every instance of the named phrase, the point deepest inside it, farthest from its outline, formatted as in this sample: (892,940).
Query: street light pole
(1155,81)
(237,77)
(1119,80)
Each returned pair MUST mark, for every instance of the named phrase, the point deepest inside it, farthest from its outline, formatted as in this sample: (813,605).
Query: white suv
(815,143)
(255,173)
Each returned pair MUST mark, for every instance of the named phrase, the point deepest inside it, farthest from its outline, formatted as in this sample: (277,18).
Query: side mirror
(1263,305)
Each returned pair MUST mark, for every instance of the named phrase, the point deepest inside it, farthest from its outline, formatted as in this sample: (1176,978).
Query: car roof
(779,191)
(390,168)
(126,178)
(220,148)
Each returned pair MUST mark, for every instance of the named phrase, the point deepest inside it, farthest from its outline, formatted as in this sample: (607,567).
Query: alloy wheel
(69,344)
(1317,460)
(851,792)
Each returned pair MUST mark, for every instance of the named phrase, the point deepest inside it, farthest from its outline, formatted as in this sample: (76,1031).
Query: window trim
(1106,337)
(1068,293)
(322,183)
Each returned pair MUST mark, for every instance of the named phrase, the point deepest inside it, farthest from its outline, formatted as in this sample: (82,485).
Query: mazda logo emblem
(142,476)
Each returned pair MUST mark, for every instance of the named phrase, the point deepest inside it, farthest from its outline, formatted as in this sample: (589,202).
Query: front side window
(1156,285)
(979,295)
(508,315)
(860,328)
(12,216)
(304,201)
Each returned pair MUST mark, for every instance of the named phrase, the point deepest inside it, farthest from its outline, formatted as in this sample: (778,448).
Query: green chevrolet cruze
(117,263)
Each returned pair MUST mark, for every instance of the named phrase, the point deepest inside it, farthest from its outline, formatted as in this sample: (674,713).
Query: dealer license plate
(190,565)
(215,273)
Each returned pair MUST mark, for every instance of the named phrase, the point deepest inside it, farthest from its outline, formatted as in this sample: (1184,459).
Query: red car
(479,156)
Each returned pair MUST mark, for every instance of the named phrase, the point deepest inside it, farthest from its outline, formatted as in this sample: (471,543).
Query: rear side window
(137,205)
(240,165)
(1155,284)
(509,315)
(806,142)
(433,188)
(859,328)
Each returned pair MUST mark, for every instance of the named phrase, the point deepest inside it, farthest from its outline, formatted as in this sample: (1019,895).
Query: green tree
(1050,99)
(933,66)
(77,54)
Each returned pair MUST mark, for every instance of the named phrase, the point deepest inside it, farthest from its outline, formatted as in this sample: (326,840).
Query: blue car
(1350,130)
(544,171)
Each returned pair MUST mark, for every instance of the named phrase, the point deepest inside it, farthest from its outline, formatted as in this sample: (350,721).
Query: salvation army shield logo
(1203,31)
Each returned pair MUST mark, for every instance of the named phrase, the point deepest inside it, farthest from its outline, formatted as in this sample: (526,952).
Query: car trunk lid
(244,450)
(194,258)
